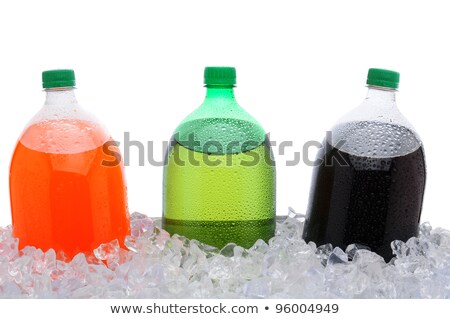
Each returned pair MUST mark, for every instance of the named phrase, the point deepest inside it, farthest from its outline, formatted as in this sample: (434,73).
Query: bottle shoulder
(375,138)
(64,129)
(220,125)
(376,128)
(63,112)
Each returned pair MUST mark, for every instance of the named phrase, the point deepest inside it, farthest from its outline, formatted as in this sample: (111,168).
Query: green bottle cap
(58,78)
(384,78)
(220,75)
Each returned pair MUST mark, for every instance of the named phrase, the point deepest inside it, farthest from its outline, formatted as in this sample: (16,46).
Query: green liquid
(232,200)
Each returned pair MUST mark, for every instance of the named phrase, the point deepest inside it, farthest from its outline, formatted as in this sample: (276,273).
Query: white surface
(101,308)
(301,65)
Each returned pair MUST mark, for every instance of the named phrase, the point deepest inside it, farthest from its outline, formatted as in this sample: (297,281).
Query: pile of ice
(159,266)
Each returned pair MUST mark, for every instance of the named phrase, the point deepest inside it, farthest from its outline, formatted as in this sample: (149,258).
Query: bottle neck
(382,94)
(219,92)
(60,96)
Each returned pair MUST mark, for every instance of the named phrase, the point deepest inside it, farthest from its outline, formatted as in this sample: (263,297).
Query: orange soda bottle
(67,191)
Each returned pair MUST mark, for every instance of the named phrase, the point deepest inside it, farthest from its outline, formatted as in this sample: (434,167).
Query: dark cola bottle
(369,183)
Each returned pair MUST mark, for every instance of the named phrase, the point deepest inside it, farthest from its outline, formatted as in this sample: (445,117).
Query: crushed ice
(159,266)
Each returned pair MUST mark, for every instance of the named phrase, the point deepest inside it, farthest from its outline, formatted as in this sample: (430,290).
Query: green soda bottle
(219,175)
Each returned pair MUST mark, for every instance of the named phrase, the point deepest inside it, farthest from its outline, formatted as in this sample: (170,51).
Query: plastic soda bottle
(67,192)
(219,177)
(369,186)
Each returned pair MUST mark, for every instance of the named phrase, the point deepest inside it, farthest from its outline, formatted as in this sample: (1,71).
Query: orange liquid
(62,197)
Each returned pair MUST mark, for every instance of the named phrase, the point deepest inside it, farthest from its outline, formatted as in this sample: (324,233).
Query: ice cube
(337,256)
(140,224)
(228,250)
(353,248)
(259,247)
(323,252)
(425,229)
(108,251)
(258,288)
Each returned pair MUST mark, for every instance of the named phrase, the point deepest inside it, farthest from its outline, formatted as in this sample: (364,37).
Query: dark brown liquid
(364,200)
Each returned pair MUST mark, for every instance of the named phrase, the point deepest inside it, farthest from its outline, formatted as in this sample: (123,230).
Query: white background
(300,66)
